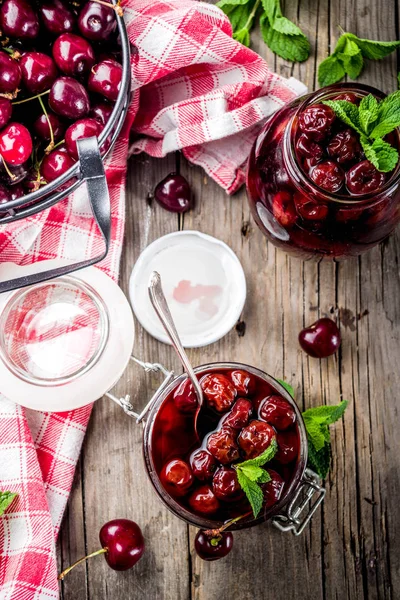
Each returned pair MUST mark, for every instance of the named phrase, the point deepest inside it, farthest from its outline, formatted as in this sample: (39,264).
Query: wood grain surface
(352,548)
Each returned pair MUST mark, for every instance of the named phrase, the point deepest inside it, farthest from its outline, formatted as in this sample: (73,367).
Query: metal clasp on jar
(302,507)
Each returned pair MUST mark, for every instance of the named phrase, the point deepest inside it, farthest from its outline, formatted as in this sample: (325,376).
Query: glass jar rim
(185,514)
(296,172)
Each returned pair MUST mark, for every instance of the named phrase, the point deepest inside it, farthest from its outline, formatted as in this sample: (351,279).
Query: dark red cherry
(33,181)
(12,174)
(56,163)
(204,501)
(364,178)
(223,446)
(226,486)
(10,74)
(38,71)
(276,411)
(272,490)
(211,547)
(309,163)
(288,447)
(185,397)
(256,438)
(240,414)
(96,21)
(177,477)
(73,54)
(105,79)
(321,339)
(68,98)
(346,215)
(244,382)
(316,121)
(42,129)
(83,128)
(15,144)
(101,111)
(5,111)
(328,176)
(124,542)
(309,208)
(18,19)
(173,193)
(307,148)
(218,391)
(57,17)
(203,465)
(283,209)
(5,195)
(344,146)
(16,191)
(348,96)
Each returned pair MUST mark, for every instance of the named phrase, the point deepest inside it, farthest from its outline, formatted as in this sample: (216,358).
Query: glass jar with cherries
(311,189)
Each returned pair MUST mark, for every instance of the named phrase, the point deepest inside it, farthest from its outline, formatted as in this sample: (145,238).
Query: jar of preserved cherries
(310,188)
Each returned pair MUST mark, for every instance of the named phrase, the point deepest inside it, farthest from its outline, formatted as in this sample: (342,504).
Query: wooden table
(352,548)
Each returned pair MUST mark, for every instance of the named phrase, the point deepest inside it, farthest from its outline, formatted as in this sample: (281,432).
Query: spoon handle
(161,307)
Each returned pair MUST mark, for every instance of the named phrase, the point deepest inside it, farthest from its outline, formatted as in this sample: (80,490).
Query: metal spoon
(161,307)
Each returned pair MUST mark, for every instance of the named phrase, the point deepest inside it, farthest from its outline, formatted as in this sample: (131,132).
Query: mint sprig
(348,57)
(5,500)
(373,120)
(280,34)
(250,475)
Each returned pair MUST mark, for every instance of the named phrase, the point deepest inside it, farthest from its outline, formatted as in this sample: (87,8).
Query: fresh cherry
(344,146)
(244,382)
(276,411)
(73,54)
(68,98)
(219,391)
(42,128)
(83,128)
(223,446)
(226,486)
(240,414)
(15,144)
(10,74)
(12,174)
(96,21)
(328,176)
(256,438)
(185,397)
(101,111)
(173,193)
(57,17)
(321,339)
(316,121)
(55,164)
(203,465)
(177,477)
(38,71)
(105,79)
(307,148)
(18,19)
(272,490)
(348,96)
(122,545)
(309,208)
(364,178)
(204,501)
(287,447)
(5,111)
(212,547)
(283,209)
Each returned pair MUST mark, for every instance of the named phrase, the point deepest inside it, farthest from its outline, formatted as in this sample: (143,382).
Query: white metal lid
(65,342)
(203,282)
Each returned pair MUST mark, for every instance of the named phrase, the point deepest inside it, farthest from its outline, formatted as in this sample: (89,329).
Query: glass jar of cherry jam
(310,188)
(245,411)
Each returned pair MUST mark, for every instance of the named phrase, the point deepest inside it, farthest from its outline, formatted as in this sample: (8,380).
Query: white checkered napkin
(197,90)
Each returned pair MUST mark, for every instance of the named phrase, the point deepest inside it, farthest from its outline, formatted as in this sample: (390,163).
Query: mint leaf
(320,460)
(5,500)
(373,49)
(326,414)
(252,472)
(389,115)
(295,48)
(368,112)
(347,112)
(265,477)
(330,71)
(381,154)
(287,387)
(264,457)
(242,36)
(253,492)
(283,25)
(351,58)
(225,4)
(315,432)
(272,9)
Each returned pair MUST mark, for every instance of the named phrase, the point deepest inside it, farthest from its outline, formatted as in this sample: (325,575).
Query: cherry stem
(216,533)
(32,97)
(7,170)
(116,7)
(51,145)
(81,560)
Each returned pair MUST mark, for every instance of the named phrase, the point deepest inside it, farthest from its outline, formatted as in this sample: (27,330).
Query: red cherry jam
(310,187)
(244,414)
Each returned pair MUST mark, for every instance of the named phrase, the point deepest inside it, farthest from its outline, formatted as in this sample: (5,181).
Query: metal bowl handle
(92,172)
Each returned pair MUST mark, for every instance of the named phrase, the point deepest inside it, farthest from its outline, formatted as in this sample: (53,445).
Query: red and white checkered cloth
(197,90)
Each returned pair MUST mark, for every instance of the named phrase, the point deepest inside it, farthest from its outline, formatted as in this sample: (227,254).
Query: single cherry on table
(321,339)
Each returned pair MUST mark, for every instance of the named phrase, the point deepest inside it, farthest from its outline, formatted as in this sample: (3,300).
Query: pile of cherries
(60,75)
(244,414)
